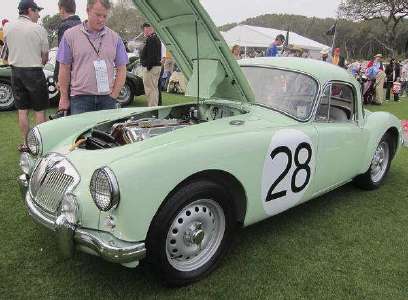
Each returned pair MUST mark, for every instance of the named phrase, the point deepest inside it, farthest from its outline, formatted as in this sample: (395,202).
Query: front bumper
(71,237)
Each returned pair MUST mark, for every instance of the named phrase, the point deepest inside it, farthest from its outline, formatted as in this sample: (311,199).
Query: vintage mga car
(172,184)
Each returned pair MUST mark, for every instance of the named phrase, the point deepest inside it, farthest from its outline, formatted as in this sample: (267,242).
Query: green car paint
(277,159)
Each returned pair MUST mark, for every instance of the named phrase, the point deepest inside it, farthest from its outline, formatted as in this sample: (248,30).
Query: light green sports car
(173,184)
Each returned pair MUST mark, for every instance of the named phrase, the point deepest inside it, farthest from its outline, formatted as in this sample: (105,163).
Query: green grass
(348,244)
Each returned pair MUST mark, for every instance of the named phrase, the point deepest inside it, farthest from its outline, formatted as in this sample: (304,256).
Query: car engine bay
(142,126)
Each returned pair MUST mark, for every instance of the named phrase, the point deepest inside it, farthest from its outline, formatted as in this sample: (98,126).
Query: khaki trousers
(379,87)
(151,82)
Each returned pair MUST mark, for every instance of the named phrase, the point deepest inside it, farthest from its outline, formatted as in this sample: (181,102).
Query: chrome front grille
(51,179)
(50,193)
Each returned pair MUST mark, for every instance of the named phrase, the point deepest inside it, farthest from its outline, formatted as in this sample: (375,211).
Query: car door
(341,140)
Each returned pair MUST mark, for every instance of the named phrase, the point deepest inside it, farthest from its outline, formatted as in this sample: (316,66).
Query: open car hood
(217,74)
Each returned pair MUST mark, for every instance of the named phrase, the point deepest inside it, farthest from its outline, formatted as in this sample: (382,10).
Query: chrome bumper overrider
(90,241)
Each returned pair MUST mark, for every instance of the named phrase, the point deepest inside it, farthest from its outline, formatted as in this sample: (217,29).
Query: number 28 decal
(288,170)
(299,166)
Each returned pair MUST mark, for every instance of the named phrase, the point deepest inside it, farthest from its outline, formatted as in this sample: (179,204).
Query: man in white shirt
(28,53)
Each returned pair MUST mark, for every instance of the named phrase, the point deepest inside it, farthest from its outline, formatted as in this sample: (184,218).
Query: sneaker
(23,148)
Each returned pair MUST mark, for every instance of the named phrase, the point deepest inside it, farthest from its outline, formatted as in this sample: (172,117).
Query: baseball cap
(26,4)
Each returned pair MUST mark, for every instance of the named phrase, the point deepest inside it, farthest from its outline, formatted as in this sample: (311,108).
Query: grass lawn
(348,244)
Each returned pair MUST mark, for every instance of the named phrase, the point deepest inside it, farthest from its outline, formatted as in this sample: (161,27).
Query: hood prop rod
(198,63)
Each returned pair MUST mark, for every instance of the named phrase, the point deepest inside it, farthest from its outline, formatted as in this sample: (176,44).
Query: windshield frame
(315,99)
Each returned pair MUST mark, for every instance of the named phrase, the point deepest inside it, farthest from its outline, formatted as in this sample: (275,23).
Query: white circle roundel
(288,170)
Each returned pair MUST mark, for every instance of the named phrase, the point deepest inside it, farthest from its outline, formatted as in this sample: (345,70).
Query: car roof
(320,70)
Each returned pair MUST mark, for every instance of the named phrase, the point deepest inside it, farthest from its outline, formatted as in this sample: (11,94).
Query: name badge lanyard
(97,51)
(101,71)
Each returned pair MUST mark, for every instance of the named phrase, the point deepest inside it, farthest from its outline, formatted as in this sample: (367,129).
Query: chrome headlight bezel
(69,208)
(34,142)
(104,189)
(27,163)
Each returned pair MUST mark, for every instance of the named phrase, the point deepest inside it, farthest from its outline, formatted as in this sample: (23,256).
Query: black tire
(6,96)
(371,179)
(193,204)
(126,95)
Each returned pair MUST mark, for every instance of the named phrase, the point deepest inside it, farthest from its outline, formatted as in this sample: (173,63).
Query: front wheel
(379,167)
(6,96)
(191,232)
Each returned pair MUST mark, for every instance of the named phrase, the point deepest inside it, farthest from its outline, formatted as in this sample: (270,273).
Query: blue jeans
(86,103)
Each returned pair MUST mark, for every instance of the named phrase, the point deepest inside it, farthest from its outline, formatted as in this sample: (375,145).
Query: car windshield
(289,92)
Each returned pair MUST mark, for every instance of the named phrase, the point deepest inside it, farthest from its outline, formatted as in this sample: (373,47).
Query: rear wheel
(6,96)
(191,232)
(379,167)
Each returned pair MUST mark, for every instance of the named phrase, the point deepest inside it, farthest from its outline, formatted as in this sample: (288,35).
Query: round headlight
(33,141)
(104,189)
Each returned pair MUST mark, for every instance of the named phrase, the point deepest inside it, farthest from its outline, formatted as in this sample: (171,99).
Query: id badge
(101,72)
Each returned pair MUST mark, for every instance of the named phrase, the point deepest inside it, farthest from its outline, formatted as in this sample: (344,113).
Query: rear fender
(377,124)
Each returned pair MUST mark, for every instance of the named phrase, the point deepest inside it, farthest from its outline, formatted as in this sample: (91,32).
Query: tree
(51,24)
(125,19)
(390,12)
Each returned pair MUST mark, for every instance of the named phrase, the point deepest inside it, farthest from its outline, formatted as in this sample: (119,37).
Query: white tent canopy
(262,37)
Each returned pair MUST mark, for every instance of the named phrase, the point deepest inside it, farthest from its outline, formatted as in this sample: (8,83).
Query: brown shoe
(23,148)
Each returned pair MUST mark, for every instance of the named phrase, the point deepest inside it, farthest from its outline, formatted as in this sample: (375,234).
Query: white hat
(324,51)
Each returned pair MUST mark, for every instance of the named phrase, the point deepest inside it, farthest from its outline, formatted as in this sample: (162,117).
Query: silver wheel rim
(380,162)
(6,95)
(124,94)
(195,235)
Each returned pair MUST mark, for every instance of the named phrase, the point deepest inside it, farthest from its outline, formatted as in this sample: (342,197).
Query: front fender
(146,179)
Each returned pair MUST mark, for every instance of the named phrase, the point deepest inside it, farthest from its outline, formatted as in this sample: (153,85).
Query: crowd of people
(382,81)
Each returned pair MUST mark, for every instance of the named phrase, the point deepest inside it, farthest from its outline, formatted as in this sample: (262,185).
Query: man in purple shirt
(92,61)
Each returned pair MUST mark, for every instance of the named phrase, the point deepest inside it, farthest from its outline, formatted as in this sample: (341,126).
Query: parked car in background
(133,86)
(172,184)
(6,94)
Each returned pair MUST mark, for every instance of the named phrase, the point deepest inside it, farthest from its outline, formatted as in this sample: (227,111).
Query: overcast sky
(221,11)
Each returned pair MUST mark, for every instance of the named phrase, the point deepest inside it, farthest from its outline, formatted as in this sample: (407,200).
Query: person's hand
(114,95)
(57,86)
(63,103)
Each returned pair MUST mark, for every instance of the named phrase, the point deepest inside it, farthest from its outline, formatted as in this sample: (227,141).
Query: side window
(336,104)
